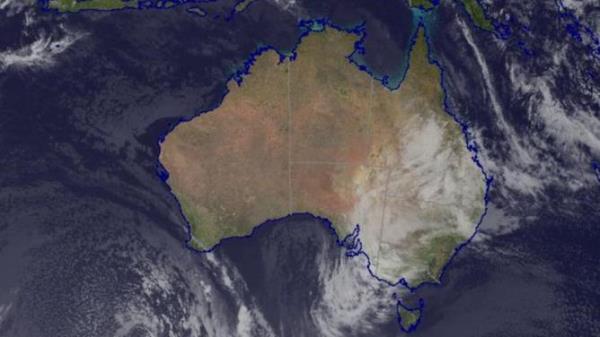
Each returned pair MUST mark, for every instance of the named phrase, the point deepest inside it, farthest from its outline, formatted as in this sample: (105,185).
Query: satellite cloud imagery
(295,168)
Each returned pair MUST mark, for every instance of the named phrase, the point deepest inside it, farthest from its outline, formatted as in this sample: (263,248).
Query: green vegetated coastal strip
(477,14)
(425,4)
(243,5)
(472,7)
(78,5)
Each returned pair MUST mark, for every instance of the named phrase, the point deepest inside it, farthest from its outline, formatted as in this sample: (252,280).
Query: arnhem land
(318,135)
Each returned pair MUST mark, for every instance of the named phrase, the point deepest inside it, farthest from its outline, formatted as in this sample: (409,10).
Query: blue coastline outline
(596,168)
(351,242)
(141,4)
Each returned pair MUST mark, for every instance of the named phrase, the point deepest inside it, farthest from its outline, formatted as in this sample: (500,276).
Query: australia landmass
(315,134)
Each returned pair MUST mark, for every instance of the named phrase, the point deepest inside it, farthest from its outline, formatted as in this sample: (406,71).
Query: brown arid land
(317,135)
